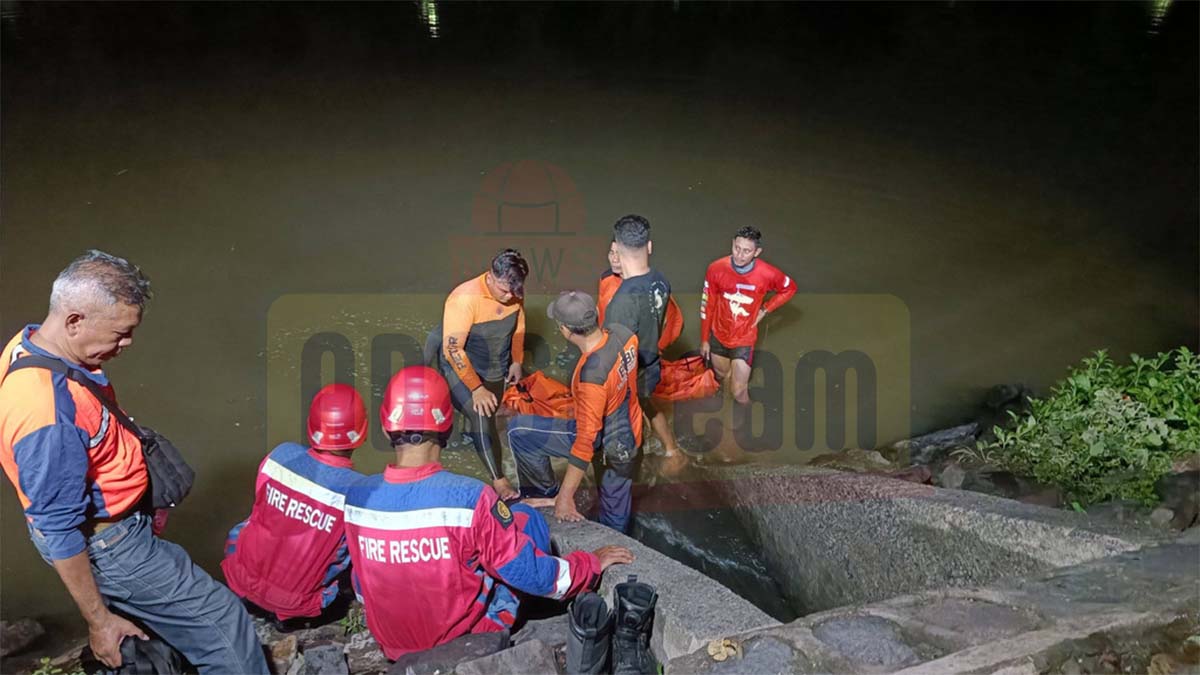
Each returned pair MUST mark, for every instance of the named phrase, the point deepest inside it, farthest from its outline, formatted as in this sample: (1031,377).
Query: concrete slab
(692,609)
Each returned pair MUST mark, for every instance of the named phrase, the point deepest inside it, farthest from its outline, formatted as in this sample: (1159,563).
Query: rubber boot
(590,635)
(635,621)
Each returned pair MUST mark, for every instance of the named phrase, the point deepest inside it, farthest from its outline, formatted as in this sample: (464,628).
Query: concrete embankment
(832,538)
(1137,611)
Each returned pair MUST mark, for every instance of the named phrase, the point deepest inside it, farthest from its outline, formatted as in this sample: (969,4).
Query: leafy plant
(1107,431)
(355,620)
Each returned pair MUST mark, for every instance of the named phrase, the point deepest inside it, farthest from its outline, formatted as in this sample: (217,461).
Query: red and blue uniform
(288,555)
(434,554)
(68,459)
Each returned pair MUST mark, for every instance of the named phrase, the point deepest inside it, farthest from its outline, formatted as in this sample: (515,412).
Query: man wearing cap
(607,429)
(478,348)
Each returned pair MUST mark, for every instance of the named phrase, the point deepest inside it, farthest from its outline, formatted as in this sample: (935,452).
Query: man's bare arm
(105,629)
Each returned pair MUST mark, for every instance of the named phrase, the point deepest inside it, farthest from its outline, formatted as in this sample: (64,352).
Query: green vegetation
(46,668)
(355,620)
(1108,431)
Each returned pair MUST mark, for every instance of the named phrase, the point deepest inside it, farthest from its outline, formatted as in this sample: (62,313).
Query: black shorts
(744,353)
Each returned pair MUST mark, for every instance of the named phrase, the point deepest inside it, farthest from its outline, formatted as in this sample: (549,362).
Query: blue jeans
(155,582)
(534,439)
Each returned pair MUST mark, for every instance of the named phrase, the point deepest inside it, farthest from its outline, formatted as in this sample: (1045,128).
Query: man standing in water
(640,304)
(731,307)
(610,281)
(479,348)
(82,480)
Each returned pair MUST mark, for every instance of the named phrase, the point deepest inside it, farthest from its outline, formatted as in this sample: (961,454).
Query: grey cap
(574,308)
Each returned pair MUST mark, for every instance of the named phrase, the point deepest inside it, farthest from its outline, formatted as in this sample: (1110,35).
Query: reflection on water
(1158,13)
(429,16)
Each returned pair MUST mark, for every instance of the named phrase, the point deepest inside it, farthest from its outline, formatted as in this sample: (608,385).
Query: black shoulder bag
(170,476)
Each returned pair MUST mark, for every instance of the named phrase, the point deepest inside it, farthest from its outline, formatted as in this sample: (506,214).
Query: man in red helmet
(287,557)
(435,553)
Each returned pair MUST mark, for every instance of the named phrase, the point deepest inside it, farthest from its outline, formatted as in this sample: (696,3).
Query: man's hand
(564,509)
(613,555)
(514,375)
(483,401)
(761,313)
(105,636)
(706,351)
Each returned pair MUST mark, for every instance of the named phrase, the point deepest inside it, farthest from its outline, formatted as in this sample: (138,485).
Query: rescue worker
(289,557)
(479,347)
(732,305)
(640,304)
(82,481)
(435,553)
(607,429)
(610,281)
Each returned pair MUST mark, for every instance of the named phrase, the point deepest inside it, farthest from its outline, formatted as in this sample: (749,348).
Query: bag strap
(57,366)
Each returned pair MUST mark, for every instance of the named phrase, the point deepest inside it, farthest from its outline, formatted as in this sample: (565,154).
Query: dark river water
(966,194)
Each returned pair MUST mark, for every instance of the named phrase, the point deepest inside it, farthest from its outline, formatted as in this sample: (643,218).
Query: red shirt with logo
(730,301)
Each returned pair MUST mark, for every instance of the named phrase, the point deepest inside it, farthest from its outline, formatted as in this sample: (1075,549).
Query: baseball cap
(574,308)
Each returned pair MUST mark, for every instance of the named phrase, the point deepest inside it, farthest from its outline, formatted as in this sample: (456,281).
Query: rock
(19,634)
(531,658)
(992,481)
(1190,651)
(325,660)
(552,631)
(952,476)
(1185,464)
(297,667)
(1180,492)
(283,653)
(867,640)
(1071,667)
(364,655)
(913,474)
(1049,496)
(930,448)
(1163,664)
(856,460)
(1119,511)
(1162,517)
(445,658)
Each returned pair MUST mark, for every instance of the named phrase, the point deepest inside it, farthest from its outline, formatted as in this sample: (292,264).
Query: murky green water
(1020,181)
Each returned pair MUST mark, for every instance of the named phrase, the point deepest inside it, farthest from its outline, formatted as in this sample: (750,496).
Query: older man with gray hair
(83,483)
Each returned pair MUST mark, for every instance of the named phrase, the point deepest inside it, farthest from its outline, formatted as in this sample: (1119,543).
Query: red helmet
(417,399)
(337,418)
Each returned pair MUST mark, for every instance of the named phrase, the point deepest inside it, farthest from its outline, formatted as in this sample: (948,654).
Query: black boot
(635,620)
(590,635)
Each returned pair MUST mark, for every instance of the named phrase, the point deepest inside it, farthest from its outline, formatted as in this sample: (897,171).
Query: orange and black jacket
(68,459)
(607,412)
(481,337)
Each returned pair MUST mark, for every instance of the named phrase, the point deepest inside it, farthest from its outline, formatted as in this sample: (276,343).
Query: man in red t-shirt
(731,307)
